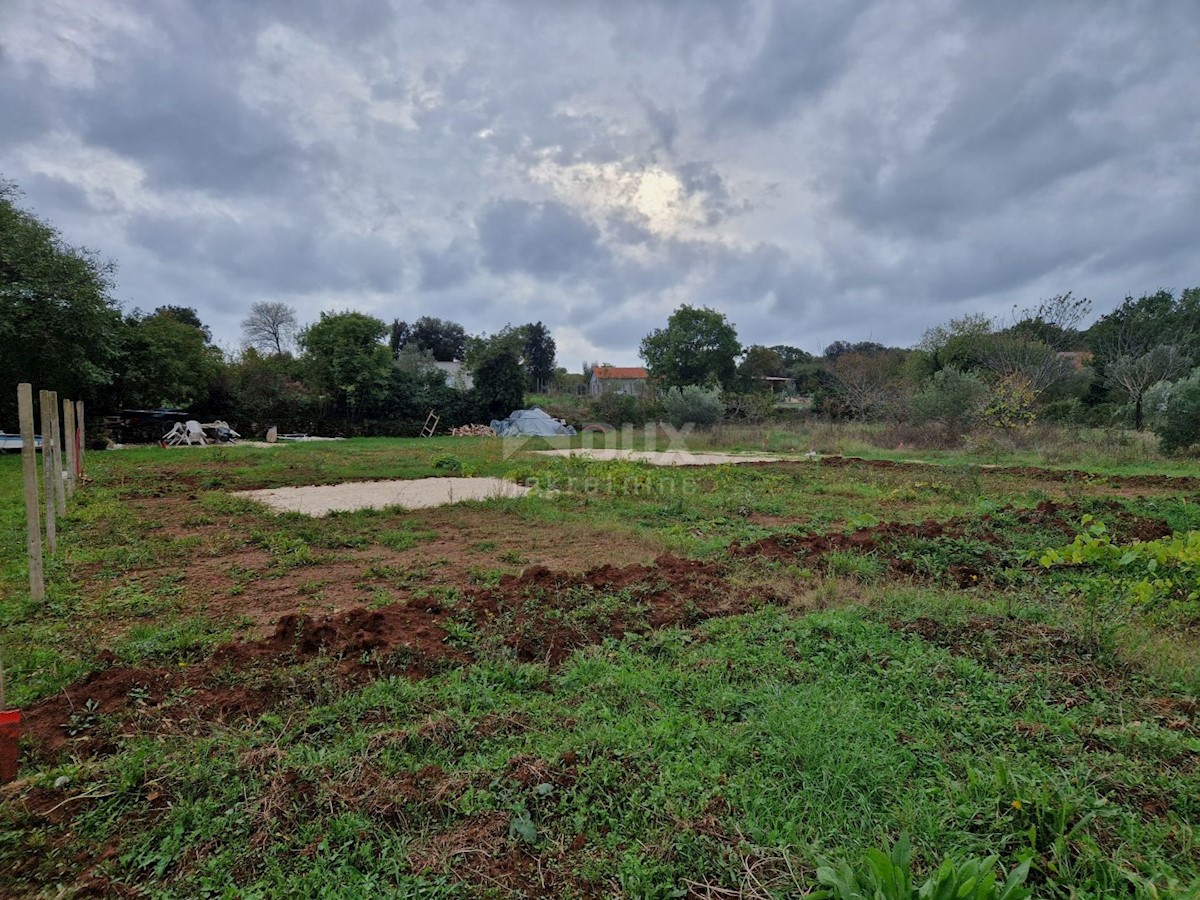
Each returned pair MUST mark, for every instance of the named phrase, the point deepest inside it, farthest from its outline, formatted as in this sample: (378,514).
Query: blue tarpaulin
(530,421)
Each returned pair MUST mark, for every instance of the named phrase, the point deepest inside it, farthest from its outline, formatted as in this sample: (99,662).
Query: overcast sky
(854,170)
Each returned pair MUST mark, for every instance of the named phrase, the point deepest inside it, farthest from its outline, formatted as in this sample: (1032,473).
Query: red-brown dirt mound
(543,615)
(1181,482)
(881,539)
(410,638)
(548,614)
(391,640)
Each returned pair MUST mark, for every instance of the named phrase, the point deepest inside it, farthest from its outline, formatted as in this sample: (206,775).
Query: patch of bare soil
(465,542)
(882,540)
(400,640)
(1180,482)
(548,614)
(541,614)
(486,849)
(469,540)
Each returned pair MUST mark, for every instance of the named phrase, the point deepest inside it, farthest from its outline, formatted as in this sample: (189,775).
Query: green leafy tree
(167,361)
(862,348)
(266,390)
(539,355)
(398,336)
(185,315)
(1176,417)
(1153,338)
(531,344)
(344,357)
(60,328)
(758,364)
(697,347)
(445,340)
(961,343)
(797,363)
(499,379)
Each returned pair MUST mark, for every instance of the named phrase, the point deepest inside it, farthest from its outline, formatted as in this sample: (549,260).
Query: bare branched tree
(1134,375)
(1037,363)
(870,385)
(1028,345)
(270,327)
(1054,322)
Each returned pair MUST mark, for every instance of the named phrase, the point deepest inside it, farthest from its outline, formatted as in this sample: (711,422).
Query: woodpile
(472,431)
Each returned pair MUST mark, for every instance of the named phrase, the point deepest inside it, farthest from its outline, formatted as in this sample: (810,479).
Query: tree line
(1135,366)
(61,326)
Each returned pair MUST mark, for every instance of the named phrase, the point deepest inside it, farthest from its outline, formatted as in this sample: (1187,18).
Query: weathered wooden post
(69,443)
(60,489)
(46,405)
(80,436)
(33,515)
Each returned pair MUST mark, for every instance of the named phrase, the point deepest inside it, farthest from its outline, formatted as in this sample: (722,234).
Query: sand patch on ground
(419,493)
(665,457)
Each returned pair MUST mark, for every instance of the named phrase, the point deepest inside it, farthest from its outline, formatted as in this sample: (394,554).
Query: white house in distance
(457,375)
(618,380)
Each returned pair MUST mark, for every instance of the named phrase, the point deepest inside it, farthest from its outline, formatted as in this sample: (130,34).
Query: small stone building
(629,380)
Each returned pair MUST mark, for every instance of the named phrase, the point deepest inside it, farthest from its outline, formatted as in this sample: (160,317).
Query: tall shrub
(692,404)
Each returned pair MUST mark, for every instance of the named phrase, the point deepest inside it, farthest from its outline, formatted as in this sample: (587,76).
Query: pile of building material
(531,422)
(473,431)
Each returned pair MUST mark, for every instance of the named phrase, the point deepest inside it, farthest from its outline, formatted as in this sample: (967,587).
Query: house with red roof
(618,380)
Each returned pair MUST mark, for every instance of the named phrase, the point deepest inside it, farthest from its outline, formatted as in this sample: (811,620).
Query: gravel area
(665,457)
(420,493)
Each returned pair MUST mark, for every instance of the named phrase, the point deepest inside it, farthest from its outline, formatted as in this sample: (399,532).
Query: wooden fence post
(33,515)
(50,501)
(60,489)
(80,436)
(69,443)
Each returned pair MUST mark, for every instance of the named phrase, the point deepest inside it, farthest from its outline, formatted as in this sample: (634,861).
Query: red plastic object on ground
(10,732)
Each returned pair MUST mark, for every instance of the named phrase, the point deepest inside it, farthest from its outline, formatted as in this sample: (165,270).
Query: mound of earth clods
(1180,482)
(886,539)
(543,615)
(548,614)
(401,640)
(410,639)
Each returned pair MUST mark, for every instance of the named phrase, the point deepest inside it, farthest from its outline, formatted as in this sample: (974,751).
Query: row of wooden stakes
(62,446)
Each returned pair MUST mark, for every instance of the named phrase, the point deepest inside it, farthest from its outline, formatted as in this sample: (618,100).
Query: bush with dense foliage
(952,398)
(692,404)
(1175,413)
(623,409)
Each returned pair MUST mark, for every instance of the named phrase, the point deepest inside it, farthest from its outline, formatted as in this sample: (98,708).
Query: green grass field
(635,681)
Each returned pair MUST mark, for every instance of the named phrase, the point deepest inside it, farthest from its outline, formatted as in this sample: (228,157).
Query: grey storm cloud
(292,258)
(546,240)
(815,170)
(806,46)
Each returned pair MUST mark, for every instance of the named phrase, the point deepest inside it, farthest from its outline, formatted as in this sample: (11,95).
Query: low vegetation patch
(843,679)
